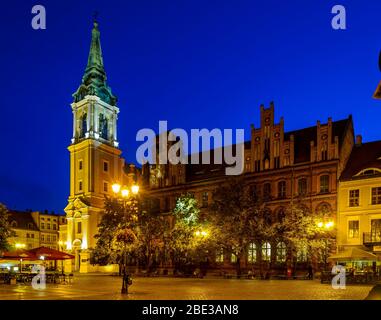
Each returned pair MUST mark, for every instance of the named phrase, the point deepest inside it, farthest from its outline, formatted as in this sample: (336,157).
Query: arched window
(281,251)
(103,127)
(281,215)
(267,191)
(282,189)
(302,254)
(220,255)
(302,186)
(83,125)
(252,253)
(266,251)
(324,183)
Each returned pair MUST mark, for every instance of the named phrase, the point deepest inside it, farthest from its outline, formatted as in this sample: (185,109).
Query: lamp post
(325,226)
(126,196)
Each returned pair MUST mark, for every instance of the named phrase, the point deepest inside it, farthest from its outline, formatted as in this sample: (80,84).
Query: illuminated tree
(5,230)
(238,219)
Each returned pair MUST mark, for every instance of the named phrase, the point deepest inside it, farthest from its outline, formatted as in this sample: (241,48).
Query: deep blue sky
(194,63)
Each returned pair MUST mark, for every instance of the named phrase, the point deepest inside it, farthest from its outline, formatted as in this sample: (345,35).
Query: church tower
(95,162)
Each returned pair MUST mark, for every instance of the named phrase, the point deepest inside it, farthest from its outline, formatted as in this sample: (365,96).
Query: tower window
(79,227)
(80,165)
(83,125)
(80,186)
(105,166)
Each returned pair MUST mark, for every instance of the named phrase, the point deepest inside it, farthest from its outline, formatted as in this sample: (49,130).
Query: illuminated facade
(359,198)
(95,162)
(280,166)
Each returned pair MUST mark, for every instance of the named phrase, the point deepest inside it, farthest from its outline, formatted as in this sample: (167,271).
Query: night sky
(197,64)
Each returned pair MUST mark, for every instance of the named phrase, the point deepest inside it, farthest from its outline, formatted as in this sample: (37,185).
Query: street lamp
(124,194)
(19,245)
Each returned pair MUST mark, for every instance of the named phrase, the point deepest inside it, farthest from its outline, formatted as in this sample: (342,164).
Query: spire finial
(95,18)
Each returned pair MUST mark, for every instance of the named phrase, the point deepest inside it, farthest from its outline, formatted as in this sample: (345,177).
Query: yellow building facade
(359,199)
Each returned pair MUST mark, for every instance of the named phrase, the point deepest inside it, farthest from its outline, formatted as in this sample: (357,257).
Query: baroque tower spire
(94,78)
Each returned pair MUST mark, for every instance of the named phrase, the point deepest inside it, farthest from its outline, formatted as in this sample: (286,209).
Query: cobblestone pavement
(99,287)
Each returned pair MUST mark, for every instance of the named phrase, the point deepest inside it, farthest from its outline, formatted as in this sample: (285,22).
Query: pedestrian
(310,273)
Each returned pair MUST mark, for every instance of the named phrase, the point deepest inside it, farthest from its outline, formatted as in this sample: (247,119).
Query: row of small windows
(49,238)
(375,231)
(282,188)
(48,226)
(265,252)
(354,197)
(105,165)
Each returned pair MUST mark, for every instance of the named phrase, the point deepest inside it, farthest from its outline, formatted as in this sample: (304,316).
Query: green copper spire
(94,79)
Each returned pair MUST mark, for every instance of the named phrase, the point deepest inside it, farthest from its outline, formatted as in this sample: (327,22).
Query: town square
(226,154)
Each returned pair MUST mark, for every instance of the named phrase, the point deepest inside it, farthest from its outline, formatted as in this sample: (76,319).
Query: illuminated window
(233,258)
(301,254)
(220,255)
(281,251)
(266,251)
(354,198)
(353,229)
(376,195)
(252,253)
(324,184)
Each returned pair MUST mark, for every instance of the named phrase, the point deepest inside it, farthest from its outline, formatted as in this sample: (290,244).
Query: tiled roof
(364,156)
(23,219)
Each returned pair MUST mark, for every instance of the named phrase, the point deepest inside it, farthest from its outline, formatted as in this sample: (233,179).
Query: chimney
(359,140)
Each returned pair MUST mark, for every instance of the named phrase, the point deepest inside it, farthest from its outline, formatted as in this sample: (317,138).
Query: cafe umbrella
(353,254)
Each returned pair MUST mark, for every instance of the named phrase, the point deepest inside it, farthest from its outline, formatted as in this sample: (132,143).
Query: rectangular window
(105,186)
(79,227)
(267,191)
(80,186)
(32,235)
(220,256)
(48,238)
(48,226)
(42,237)
(205,197)
(42,225)
(302,186)
(353,229)
(105,166)
(375,231)
(376,195)
(54,226)
(354,198)
(80,165)
(27,235)
(324,184)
